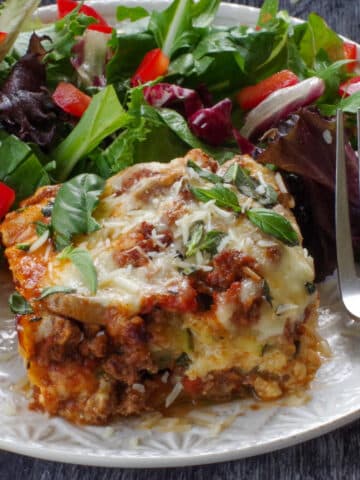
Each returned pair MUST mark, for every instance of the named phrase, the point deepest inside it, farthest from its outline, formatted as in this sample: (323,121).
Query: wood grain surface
(331,457)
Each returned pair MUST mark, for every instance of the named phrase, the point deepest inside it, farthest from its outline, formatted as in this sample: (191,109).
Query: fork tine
(344,249)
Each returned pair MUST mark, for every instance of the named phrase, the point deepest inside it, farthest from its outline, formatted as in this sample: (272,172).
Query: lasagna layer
(173,319)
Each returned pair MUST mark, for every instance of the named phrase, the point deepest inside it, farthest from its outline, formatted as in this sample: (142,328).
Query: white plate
(333,399)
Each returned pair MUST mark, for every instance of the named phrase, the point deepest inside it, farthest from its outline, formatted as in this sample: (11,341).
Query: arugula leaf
(46,292)
(273,224)
(130,49)
(203,12)
(319,35)
(19,305)
(224,197)
(130,13)
(82,260)
(206,174)
(179,126)
(104,116)
(196,234)
(73,207)
(268,12)
(171,26)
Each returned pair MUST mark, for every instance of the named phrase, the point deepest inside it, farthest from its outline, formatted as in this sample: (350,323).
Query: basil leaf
(211,177)
(46,292)
(73,207)
(224,198)
(83,262)
(274,224)
(211,241)
(269,198)
(196,234)
(248,186)
(130,13)
(19,305)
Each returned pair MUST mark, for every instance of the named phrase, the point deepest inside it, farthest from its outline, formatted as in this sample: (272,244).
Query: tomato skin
(71,99)
(3,36)
(155,64)
(250,97)
(350,53)
(349,87)
(192,387)
(7,198)
(67,6)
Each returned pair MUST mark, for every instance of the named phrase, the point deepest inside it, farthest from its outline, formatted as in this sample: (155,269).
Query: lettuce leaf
(104,117)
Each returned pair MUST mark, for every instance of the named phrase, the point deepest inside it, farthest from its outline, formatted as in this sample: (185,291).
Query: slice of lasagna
(203,292)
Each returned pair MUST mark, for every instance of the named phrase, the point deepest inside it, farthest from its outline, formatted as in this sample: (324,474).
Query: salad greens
(192,102)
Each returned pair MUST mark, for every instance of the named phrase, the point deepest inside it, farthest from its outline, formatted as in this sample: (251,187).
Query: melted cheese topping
(150,199)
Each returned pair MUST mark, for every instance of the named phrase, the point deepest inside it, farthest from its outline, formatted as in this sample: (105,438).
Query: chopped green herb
(249,186)
(41,228)
(310,287)
(273,224)
(183,360)
(19,305)
(82,260)
(224,197)
(23,246)
(196,234)
(205,174)
(46,292)
(267,293)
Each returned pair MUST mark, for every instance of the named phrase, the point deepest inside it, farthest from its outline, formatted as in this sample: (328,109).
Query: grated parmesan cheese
(175,392)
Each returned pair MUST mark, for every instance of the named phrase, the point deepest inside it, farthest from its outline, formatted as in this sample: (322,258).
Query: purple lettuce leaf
(183,100)
(304,148)
(26,107)
(213,124)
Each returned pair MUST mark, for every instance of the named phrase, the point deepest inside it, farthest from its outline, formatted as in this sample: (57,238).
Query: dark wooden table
(333,456)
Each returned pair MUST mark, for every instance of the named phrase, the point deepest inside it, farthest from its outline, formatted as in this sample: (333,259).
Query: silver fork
(349,282)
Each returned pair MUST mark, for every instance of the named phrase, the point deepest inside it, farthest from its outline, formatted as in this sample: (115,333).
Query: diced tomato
(3,35)
(192,387)
(349,87)
(67,6)
(350,53)
(71,99)
(250,97)
(154,65)
(100,28)
(7,198)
